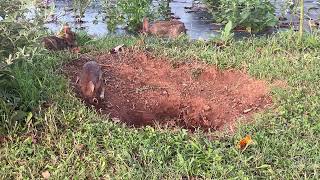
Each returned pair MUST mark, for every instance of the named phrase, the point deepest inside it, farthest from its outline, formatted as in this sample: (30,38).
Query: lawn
(65,139)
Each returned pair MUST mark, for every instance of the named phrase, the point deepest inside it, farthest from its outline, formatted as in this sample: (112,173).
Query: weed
(18,37)
(128,13)
(70,140)
(80,7)
(253,15)
(66,139)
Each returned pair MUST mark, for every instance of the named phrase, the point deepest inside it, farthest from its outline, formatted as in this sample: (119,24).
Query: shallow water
(198,24)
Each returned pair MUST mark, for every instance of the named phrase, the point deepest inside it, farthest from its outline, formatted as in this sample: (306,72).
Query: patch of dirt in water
(143,90)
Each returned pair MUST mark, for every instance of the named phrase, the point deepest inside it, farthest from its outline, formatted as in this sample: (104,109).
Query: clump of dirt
(143,90)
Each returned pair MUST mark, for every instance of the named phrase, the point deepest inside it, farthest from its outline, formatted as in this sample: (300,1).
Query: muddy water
(198,24)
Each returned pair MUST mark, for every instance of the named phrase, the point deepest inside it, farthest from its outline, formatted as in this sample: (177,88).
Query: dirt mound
(142,90)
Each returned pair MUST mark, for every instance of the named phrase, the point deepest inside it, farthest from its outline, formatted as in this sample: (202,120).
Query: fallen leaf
(75,50)
(140,42)
(79,147)
(247,110)
(46,174)
(245,142)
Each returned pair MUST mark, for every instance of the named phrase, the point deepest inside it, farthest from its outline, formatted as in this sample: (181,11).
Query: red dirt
(143,90)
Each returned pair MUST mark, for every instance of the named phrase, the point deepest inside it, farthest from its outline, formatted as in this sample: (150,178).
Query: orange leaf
(245,142)
(75,50)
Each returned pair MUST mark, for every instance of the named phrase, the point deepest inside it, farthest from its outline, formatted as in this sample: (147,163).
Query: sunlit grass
(75,142)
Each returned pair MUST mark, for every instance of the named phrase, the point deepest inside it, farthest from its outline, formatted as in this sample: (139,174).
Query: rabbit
(171,29)
(54,43)
(91,81)
(65,39)
(69,36)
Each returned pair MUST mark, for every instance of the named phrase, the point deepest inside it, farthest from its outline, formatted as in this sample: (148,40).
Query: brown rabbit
(54,43)
(90,80)
(171,29)
(69,36)
(67,39)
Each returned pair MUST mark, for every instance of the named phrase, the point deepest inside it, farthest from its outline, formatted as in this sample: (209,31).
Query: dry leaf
(75,50)
(140,42)
(79,147)
(245,142)
(46,174)
(247,111)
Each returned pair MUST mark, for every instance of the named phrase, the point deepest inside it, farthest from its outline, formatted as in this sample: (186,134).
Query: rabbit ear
(66,28)
(145,25)
(91,86)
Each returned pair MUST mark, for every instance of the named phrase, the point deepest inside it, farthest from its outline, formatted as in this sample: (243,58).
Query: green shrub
(79,7)
(253,15)
(19,34)
(128,13)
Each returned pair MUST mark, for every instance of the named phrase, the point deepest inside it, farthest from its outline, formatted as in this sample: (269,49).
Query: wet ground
(198,23)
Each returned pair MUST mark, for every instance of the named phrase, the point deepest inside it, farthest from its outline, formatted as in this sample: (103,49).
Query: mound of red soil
(142,90)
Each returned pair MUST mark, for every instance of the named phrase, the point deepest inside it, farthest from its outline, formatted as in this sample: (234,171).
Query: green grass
(75,142)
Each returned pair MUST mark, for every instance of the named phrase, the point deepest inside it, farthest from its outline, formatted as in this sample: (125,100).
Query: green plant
(226,33)
(286,6)
(19,42)
(9,102)
(74,141)
(163,9)
(225,37)
(253,15)
(301,19)
(79,7)
(128,13)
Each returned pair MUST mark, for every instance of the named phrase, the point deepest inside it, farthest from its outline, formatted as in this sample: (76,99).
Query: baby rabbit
(171,29)
(54,43)
(65,39)
(90,81)
(69,36)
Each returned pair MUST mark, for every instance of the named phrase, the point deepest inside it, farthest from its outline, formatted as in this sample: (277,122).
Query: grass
(72,141)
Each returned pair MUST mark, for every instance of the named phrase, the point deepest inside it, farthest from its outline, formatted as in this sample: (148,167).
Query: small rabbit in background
(64,39)
(54,43)
(91,81)
(171,29)
(69,36)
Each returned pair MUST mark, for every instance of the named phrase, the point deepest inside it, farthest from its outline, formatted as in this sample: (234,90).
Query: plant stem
(301,19)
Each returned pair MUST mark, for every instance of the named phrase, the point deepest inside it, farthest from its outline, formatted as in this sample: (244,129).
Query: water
(93,19)
(198,24)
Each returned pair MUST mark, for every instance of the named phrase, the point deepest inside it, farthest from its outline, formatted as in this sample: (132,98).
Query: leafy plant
(253,15)
(19,34)
(287,6)
(226,34)
(128,13)
(164,11)
(80,7)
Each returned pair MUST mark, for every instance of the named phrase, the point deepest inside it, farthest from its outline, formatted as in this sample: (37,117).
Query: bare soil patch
(143,90)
